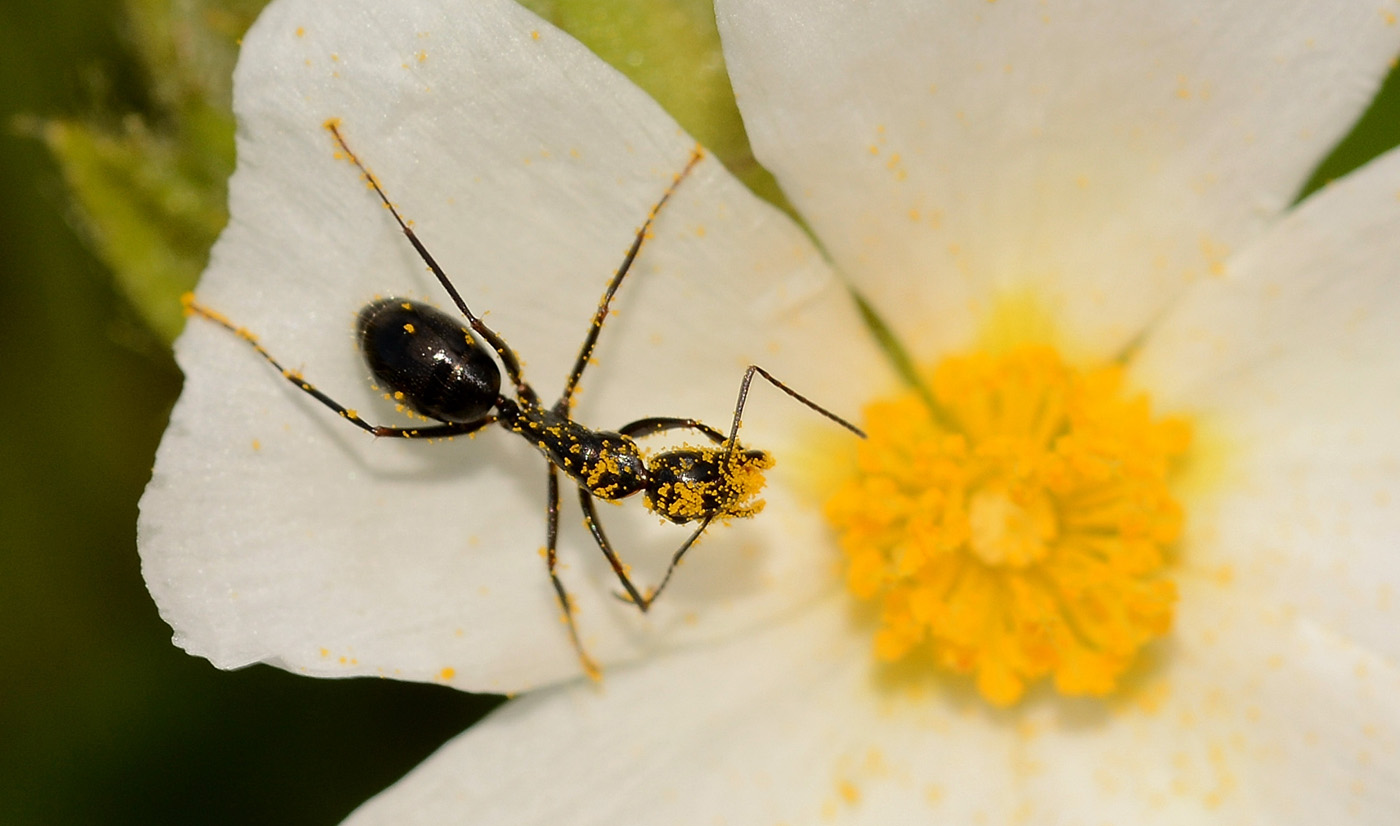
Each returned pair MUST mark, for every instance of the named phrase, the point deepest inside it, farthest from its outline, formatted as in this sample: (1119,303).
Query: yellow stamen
(1019,528)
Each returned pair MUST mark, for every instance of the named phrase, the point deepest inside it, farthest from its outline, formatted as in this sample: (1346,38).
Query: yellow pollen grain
(447,674)
(1019,529)
(1215,254)
(849,792)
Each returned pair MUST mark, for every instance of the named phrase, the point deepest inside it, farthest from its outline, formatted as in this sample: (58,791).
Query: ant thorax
(606,464)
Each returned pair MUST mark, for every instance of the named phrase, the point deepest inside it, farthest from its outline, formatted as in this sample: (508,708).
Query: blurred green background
(101,719)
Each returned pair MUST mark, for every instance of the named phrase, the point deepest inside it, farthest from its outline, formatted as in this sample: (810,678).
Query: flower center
(1005,531)
(1015,525)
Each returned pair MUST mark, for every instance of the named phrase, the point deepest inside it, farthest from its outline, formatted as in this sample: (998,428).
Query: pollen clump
(1017,527)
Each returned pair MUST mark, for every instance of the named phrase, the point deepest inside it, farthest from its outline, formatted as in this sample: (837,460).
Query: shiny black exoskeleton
(435,367)
(447,373)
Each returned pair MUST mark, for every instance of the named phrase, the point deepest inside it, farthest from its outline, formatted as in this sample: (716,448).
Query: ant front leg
(590,518)
(651,426)
(675,561)
(552,560)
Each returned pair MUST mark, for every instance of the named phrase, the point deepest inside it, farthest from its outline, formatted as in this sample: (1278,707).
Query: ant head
(691,483)
(428,360)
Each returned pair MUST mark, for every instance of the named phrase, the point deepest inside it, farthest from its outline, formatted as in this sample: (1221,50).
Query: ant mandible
(438,369)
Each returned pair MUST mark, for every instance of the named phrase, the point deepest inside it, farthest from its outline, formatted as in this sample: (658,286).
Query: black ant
(438,369)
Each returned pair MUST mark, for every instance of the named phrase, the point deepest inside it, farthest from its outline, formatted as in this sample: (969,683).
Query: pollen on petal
(1018,527)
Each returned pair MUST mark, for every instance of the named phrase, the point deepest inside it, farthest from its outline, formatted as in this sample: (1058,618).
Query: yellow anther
(1021,531)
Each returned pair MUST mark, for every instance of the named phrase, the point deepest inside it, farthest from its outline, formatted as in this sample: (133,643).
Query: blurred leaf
(671,49)
(150,190)
(1376,131)
(150,217)
(189,47)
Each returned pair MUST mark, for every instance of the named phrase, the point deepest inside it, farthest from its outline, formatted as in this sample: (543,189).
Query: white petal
(1097,154)
(1250,716)
(1291,363)
(1328,733)
(274,532)
(1253,716)
(782,727)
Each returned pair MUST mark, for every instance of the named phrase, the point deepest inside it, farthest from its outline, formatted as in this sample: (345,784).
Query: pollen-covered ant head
(692,483)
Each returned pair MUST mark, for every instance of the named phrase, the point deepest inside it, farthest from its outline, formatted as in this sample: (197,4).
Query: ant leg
(596,325)
(744,395)
(590,518)
(552,559)
(439,431)
(675,561)
(503,350)
(633,596)
(660,424)
(193,307)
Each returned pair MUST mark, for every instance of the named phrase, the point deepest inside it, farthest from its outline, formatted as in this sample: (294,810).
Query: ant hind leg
(675,562)
(632,595)
(193,307)
(503,350)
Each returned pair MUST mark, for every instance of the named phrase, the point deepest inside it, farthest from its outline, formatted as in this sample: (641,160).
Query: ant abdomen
(427,361)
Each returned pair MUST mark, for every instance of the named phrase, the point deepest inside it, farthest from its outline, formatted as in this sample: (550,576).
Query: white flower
(1126,172)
